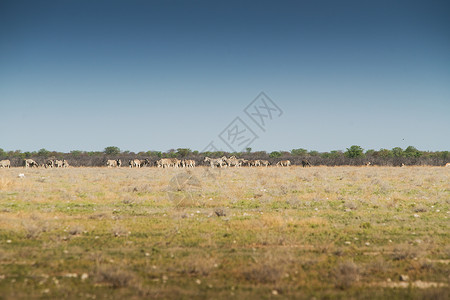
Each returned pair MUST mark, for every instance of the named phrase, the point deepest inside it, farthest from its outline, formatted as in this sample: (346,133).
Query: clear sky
(156,75)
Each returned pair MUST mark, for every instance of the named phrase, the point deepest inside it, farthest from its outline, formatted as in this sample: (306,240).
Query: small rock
(347,243)
(8,241)
(84,276)
(220,212)
(367,244)
(274,292)
(404,278)
(416,216)
(198,281)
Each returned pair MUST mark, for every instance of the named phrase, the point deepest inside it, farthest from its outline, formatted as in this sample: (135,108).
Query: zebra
(306,163)
(188,163)
(30,163)
(134,163)
(145,162)
(254,163)
(264,163)
(58,163)
(113,163)
(49,163)
(283,163)
(5,163)
(164,163)
(233,161)
(65,163)
(215,161)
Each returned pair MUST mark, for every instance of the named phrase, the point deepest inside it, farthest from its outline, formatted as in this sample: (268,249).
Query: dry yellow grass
(217,233)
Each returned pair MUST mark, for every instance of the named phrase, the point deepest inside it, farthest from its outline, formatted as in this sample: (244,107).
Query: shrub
(112,150)
(354,151)
(275,154)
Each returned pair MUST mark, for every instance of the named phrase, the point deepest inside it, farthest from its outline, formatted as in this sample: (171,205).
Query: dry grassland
(245,233)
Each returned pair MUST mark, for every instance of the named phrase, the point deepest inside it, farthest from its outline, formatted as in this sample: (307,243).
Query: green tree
(397,152)
(385,153)
(183,152)
(112,150)
(411,151)
(76,152)
(354,151)
(299,151)
(43,152)
(314,153)
(248,149)
(275,154)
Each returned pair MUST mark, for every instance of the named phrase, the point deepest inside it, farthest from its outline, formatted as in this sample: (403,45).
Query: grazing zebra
(264,163)
(30,163)
(113,163)
(242,161)
(5,163)
(164,163)
(49,163)
(215,161)
(188,163)
(65,163)
(306,163)
(368,164)
(283,163)
(145,163)
(58,163)
(134,163)
(233,161)
(175,162)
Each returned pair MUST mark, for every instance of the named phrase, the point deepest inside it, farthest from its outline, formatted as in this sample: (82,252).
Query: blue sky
(156,75)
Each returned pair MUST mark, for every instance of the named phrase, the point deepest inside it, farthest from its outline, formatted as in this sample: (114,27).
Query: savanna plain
(244,233)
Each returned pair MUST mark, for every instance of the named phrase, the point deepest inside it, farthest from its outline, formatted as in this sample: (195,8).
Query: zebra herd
(30,163)
(221,162)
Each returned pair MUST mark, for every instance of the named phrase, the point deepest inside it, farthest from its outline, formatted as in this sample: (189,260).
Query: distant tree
(112,150)
(354,151)
(411,151)
(314,153)
(183,152)
(2,152)
(370,152)
(76,152)
(397,152)
(248,149)
(195,152)
(275,154)
(43,152)
(299,152)
(332,154)
(384,153)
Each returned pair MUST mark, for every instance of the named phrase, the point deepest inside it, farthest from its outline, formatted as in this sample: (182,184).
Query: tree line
(354,155)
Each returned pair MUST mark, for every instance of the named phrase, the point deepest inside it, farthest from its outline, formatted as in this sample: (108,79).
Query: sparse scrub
(257,233)
(346,274)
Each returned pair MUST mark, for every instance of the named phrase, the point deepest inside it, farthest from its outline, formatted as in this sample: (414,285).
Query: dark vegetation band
(353,156)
